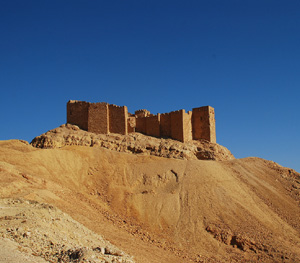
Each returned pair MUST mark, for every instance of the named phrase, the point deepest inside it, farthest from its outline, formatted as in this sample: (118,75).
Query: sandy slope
(164,210)
(10,253)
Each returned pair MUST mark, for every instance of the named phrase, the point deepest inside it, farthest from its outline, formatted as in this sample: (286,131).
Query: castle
(104,118)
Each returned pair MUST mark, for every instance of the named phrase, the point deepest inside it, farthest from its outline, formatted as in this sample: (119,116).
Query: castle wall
(165,125)
(98,121)
(177,125)
(77,113)
(187,126)
(103,118)
(118,119)
(141,125)
(153,125)
(203,124)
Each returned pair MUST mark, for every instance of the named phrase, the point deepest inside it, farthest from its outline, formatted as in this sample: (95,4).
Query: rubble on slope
(44,231)
(135,143)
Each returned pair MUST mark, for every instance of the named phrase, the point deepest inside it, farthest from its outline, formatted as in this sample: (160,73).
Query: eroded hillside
(164,210)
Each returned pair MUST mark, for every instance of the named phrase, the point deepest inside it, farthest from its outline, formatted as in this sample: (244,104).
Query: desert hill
(156,209)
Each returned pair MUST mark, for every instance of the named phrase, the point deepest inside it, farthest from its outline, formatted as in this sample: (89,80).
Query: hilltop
(136,143)
(160,204)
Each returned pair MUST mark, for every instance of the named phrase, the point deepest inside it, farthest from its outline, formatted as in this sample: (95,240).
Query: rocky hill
(62,202)
(135,143)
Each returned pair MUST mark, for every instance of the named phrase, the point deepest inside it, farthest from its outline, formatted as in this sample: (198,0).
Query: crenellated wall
(106,118)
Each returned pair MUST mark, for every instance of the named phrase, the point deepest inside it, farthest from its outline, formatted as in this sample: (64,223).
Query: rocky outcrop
(136,143)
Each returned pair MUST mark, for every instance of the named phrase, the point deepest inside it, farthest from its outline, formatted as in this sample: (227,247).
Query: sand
(163,210)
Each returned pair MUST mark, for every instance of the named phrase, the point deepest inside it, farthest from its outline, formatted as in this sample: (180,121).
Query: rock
(135,143)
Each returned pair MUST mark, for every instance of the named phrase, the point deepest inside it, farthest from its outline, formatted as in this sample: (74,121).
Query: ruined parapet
(203,124)
(131,123)
(142,113)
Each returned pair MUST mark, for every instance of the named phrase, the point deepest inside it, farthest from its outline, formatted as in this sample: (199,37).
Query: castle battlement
(104,118)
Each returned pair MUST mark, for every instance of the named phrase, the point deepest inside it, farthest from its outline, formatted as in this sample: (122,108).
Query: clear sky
(240,57)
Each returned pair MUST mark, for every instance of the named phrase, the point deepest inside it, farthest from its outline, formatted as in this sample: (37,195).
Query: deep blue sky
(240,57)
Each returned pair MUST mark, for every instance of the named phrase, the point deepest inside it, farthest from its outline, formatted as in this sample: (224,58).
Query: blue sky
(240,57)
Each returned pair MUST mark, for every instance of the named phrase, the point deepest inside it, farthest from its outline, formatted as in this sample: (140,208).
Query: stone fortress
(104,118)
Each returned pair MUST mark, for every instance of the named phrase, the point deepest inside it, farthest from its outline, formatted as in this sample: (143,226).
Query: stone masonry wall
(153,125)
(141,125)
(177,125)
(77,113)
(187,126)
(212,124)
(203,124)
(98,121)
(165,125)
(118,119)
(103,118)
